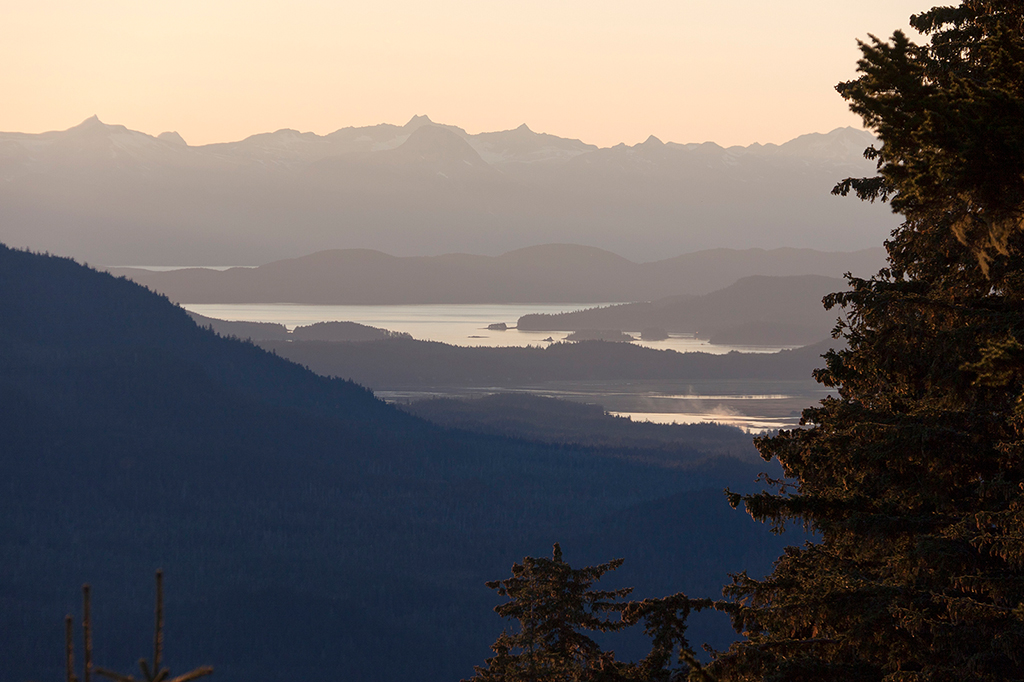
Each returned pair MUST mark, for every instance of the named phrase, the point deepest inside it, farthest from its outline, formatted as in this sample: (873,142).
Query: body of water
(751,405)
(755,405)
(456,324)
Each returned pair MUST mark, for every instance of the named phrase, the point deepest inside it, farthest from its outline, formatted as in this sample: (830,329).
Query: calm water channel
(459,325)
(753,406)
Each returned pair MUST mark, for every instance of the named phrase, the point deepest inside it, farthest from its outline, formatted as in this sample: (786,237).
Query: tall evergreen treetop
(948,116)
(913,474)
(554,605)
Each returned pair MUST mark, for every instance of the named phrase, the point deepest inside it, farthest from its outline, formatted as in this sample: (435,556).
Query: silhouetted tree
(913,474)
(69,641)
(151,672)
(555,605)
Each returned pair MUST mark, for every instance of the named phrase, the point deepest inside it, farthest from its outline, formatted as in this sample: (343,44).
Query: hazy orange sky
(732,71)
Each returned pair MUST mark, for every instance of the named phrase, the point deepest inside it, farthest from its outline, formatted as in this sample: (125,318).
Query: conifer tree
(913,474)
(153,671)
(554,606)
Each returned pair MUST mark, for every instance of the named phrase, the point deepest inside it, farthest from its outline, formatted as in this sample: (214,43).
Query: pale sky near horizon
(731,71)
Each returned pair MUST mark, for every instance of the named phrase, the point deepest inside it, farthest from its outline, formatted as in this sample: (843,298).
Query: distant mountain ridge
(109,194)
(756,310)
(396,364)
(557,273)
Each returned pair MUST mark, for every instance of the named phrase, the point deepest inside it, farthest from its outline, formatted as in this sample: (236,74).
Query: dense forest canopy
(298,518)
(913,475)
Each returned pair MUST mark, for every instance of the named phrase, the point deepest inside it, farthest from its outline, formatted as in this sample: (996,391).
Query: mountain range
(555,273)
(116,196)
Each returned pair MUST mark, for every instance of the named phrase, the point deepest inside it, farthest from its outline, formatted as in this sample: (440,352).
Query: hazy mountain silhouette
(298,519)
(437,149)
(523,146)
(241,329)
(538,274)
(271,331)
(756,310)
(411,364)
(116,196)
(343,331)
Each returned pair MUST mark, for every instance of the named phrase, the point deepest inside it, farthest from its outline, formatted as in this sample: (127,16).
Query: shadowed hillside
(298,519)
(560,421)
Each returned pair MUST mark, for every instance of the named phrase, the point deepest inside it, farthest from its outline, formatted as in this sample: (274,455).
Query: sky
(729,71)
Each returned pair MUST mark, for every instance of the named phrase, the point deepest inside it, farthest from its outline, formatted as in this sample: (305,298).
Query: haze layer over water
(455,324)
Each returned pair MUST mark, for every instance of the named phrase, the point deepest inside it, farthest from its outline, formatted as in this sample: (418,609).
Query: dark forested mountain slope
(304,526)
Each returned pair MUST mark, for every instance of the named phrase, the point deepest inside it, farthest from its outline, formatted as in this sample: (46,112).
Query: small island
(498,327)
